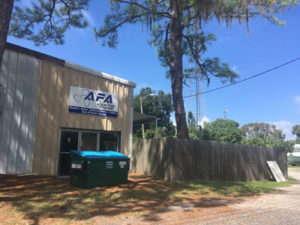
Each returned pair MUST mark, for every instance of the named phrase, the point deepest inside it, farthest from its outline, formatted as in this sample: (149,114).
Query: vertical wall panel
(7,75)
(19,80)
(40,137)
(126,126)
(109,120)
(16,118)
(114,122)
(26,81)
(50,130)
(33,117)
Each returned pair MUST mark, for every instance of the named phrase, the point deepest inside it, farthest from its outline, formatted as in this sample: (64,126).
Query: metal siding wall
(53,112)
(19,80)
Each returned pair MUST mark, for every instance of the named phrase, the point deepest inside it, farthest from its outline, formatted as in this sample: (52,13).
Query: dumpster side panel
(93,172)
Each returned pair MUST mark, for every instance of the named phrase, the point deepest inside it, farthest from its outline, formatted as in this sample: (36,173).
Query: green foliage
(269,142)
(177,32)
(261,130)
(195,132)
(199,133)
(156,14)
(191,121)
(296,130)
(256,141)
(224,10)
(266,135)
(226,131)
(297,140)
(289,145)
(47,21)
(159,105)
(162,132)
(149,134)
(194,46)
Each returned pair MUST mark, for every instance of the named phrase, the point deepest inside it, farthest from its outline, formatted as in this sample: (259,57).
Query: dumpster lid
(99,154)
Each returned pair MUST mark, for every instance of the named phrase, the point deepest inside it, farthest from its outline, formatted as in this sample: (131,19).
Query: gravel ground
(281,207)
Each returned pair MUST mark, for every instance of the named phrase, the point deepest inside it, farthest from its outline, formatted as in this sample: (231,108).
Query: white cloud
(89,17)
(204,121)
(286,127)
(297,99)
(234,68)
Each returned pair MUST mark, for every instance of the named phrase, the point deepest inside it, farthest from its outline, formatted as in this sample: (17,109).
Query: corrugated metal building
(50,106)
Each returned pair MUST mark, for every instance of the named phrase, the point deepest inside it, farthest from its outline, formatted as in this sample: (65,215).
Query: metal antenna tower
(200,98)
(188,100)
(197,98)
(203,99)
(225,113)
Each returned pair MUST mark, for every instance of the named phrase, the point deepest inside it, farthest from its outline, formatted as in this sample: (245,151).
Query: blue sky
(273,97)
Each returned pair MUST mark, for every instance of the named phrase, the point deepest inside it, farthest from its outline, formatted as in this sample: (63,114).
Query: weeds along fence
(175,159)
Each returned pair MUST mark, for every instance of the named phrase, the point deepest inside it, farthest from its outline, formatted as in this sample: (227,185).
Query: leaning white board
(277,174)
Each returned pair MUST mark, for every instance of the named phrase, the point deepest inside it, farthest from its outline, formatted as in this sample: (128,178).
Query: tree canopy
(296,130)
(41,21)
(159,105)
(196,132)
(262,130)
(176,27)
(223,130)
(228,131)
(47,21)
(266,135)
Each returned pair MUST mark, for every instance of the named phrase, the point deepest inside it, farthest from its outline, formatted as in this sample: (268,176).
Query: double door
(84,140)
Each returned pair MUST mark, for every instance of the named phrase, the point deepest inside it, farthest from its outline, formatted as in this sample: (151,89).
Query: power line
(245,79)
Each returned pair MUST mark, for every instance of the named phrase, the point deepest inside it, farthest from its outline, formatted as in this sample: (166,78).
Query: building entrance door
(84,140)
(68,142)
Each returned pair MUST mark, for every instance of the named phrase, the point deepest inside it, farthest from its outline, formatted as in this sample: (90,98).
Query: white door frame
(79,144)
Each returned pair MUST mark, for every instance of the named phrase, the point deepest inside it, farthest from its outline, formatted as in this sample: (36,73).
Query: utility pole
(142,112)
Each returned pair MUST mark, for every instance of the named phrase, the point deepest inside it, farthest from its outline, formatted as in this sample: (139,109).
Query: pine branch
(166,42)
(114,28)
(151,11)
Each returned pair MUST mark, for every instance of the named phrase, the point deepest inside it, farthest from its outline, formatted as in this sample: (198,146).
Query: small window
(110,141)
(89,141)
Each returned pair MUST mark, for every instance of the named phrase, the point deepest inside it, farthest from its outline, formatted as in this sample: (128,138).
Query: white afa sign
(87,101)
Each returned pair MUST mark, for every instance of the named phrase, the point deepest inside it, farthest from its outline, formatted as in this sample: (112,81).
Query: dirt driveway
(281,207)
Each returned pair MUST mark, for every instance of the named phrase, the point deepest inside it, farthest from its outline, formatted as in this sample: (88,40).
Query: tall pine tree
(177,32)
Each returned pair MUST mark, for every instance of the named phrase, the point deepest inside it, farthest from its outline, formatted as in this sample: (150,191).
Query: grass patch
(297,167)
(221,188)
(37,198)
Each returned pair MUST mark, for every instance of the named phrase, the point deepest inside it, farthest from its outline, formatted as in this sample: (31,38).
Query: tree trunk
(176,68)
(6,7)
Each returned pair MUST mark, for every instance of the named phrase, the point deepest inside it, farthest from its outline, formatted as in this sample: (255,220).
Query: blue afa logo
(93,102)
(100,96)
